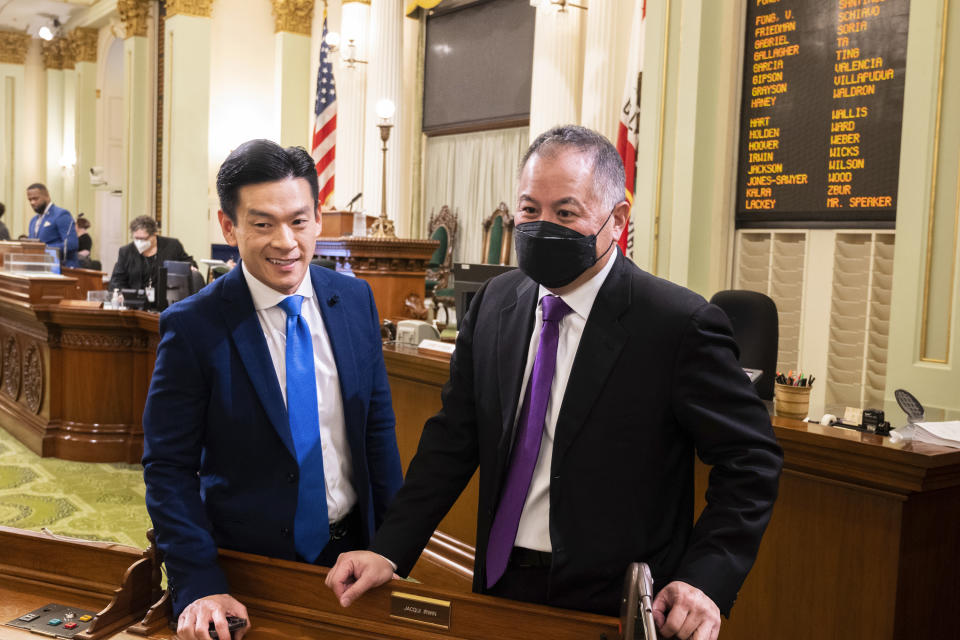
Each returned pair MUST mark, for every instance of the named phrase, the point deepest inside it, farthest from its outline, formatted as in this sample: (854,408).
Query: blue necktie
(311,527)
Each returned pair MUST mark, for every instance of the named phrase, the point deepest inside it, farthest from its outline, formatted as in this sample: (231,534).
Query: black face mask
(554,255)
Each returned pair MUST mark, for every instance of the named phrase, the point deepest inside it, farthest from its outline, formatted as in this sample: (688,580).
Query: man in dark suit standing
(52,225)
(138,263)
(268,426)
(581,387)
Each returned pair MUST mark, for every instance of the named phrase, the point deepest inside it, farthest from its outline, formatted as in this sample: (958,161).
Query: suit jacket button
(291,477)
(285,531)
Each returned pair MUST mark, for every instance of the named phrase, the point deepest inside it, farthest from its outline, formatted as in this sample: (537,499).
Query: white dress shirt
(337,464)
(534,529)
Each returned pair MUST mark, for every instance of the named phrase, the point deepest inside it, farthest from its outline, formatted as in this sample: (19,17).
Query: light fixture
(383,226)
(559,6)
(348,57)
(48,31)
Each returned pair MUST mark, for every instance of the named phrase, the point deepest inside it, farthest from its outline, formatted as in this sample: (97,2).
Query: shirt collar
(582,298)
(47,208)
(265,296)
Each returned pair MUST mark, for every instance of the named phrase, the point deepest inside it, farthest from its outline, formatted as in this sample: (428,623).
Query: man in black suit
(138,263)
(581,387)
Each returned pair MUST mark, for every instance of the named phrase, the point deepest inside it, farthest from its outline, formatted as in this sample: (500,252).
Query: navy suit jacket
(655,379)
(58,231)
(219,460)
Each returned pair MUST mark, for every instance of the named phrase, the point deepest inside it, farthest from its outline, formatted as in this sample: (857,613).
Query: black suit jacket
(655,378)
(131,271)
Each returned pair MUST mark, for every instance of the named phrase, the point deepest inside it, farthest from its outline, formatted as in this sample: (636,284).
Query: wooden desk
(863,542)
(73,381)
(284,599)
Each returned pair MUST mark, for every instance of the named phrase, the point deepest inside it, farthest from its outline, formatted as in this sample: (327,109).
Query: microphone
(355,198)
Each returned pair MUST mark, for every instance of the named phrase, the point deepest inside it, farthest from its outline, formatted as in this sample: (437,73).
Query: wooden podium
(395,268)
(284,599)
(336,224)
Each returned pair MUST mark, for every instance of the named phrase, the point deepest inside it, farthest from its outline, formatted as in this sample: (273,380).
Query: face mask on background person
(141,245)
(554,255)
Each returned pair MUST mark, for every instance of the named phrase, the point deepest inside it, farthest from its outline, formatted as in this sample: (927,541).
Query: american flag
(324,146)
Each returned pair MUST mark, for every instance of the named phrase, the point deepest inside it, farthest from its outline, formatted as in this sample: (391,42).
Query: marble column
(186,117)
(385,81)
(292,83)
(83,49)
(557,79)
(602,86)
(13,54)
(351,102)
(53,63)
(138,145)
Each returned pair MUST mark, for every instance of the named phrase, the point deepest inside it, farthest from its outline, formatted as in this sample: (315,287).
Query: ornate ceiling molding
(82,42)
(293,16)
(134,15)
(13,47)
(199,8)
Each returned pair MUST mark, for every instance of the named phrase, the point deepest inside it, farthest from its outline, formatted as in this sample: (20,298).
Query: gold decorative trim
(933,199)
(13,47)
(198,8)
(663,105)
(52,51)
(82,43)
(134,14)
(367,2)
(293,16)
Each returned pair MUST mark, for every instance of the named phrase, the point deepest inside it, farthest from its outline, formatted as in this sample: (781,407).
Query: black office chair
(756,328)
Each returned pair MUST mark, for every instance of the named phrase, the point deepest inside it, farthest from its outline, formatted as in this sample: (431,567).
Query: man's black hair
(39,186)
(259,161)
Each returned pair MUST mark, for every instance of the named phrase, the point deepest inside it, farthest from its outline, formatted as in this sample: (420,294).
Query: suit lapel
(600,345)
(337,324)
(244,325)
(513,339)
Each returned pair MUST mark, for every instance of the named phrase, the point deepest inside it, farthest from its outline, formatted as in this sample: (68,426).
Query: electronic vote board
(821,112)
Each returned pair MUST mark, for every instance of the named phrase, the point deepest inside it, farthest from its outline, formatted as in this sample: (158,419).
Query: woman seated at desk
(138,263)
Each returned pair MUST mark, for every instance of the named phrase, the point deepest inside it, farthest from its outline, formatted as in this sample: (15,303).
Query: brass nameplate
(420,609)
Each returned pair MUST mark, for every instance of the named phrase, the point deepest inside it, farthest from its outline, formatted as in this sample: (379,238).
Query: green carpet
(93,501)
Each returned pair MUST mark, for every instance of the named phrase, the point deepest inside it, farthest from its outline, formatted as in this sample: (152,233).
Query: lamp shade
(385,108)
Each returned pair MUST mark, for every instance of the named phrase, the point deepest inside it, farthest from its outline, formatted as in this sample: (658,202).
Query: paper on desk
(945,434)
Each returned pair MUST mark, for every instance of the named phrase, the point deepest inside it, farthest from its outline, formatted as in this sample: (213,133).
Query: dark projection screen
(822,112)
(477,65)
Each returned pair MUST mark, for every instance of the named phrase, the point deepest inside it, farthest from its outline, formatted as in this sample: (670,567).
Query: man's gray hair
(146,223)
(607,166)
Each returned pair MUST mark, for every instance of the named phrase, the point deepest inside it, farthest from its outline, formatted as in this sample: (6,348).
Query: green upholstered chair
(443,228)
(498,236)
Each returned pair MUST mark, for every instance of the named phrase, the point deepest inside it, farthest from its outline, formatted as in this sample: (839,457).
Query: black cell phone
(233,623)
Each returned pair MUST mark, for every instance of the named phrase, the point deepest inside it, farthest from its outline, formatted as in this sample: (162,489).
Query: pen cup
(791,402)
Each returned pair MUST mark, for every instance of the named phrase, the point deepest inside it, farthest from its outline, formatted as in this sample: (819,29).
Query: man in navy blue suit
(53,225)
(268,426)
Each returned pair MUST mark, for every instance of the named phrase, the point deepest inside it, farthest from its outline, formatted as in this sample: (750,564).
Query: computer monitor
(467,280)
(173,283)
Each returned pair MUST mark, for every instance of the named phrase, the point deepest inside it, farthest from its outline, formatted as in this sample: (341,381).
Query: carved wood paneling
(11,367)
(102,341)
(33,377)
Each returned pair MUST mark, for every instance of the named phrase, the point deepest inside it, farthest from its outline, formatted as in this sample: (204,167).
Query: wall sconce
(383,226)
(349,56)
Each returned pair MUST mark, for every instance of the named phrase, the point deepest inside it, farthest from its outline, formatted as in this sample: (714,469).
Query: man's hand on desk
(356,572)
(194,622)
(682,611)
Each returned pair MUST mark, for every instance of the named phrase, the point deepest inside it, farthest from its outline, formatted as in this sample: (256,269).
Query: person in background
(52,225)
(4,232)
(138,263)
(84,239)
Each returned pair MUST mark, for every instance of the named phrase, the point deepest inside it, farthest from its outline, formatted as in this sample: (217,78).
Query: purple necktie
(526,447)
